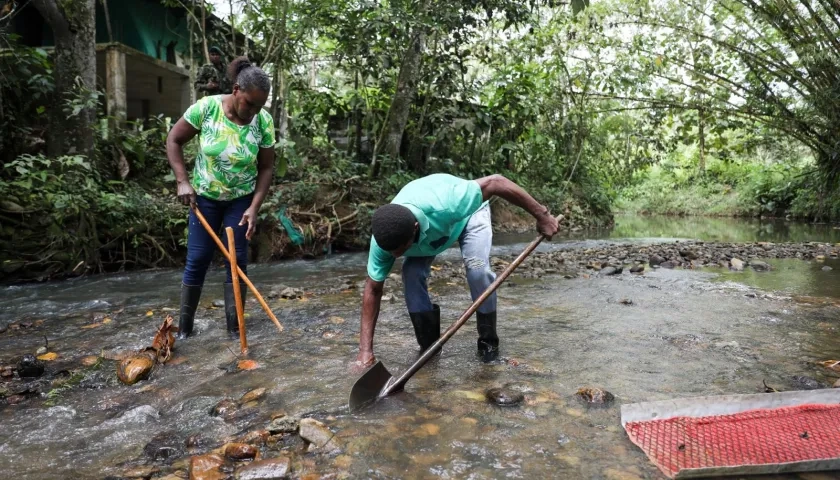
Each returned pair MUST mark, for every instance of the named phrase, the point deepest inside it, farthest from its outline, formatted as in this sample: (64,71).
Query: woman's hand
(186,193)
(249,217)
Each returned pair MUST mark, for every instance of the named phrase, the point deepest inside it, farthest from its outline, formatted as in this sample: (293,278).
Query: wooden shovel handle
(237,294)
(238,270)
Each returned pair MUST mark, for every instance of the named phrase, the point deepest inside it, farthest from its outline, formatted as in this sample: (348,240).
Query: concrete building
(142,54)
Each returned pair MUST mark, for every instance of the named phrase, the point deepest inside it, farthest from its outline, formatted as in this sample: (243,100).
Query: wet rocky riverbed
(697,318)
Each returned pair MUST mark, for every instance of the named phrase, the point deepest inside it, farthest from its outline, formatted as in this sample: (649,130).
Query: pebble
(263,469)
(597,396)
(224,408)
(253,395)
(284,424)
(827,268)
(504,397)
(219,303)
(240,451)
(315,432)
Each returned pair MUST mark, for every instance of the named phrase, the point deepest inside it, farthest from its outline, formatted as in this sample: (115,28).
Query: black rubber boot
(230,308)
(488,341)
(426,327)
(190,294)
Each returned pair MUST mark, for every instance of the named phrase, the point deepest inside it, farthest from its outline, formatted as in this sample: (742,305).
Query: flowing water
(687,333)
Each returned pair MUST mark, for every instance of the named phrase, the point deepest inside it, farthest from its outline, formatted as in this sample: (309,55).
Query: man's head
(215,55)
(394,228)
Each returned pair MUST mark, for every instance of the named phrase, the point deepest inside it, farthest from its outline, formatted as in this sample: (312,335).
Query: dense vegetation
(723,107)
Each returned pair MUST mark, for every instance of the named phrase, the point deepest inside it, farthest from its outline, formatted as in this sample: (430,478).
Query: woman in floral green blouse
(232,175)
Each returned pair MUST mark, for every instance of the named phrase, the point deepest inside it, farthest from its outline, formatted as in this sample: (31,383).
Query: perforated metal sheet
(796,434)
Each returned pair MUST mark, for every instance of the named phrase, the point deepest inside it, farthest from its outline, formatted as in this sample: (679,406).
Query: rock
(669,264)
(254,437)
(284,424)
(218,303)
(655,260)
(689,254)
(41,351)
(826,268)
(272,468)
(207,467)
(626,301)
(504,397)
(136,367)
(836,384)
(315,432)
(3,327)
(596,396)
(163,446)
(15,399)
(806,383)
(30,367)
(820,258)
(608,271)
(760,266)
(253,395)
(389,297)
(736,264)
(224,408)
(638,269)
(240,451)
(290,292)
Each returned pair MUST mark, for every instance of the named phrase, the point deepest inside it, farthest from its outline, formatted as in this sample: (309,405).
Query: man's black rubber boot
(426,327)
(230,308)
(190,294)
(488,341)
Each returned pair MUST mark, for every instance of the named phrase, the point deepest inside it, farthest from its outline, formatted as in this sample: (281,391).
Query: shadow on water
(686,333)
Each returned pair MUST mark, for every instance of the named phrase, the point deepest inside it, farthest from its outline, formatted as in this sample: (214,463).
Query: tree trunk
(232,30)
(701,132)
(74,28)
(392,132)
(204,32)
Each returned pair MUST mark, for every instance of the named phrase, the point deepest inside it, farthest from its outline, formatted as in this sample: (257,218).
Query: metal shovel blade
(369,386)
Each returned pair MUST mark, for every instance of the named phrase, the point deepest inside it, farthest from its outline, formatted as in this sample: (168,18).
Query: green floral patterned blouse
(226,166)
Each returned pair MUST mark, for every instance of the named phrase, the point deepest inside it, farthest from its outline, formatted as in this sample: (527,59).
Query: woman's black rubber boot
(190,294)
(230,308)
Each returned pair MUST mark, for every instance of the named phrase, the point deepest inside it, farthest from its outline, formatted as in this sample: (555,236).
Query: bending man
(425,218)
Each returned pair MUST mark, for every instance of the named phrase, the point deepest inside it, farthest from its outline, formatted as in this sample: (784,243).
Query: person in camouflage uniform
(211,78)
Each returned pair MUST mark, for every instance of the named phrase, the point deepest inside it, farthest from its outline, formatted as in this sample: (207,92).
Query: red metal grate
(753,437)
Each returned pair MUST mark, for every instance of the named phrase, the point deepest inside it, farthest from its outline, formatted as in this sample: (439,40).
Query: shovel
(377,382)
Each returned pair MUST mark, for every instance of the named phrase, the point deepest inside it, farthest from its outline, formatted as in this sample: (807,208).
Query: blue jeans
(200,245)
(475,242)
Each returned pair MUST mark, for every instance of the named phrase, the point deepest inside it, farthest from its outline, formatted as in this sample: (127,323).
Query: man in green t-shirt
(425,218)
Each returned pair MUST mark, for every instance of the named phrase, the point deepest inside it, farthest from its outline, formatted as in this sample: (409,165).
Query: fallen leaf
(435,268)
(347,291)
(92,325)
(247,365)
(832,364)
(106,320)
(38,323)
(150,313)
(49,356)
(336,320)
(303,299)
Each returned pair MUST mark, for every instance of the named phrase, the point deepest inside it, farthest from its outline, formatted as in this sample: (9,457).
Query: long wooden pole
(238,270)
(237,293)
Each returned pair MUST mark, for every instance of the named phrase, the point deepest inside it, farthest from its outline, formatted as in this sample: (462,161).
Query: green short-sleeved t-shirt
(442,205)
(226,166)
